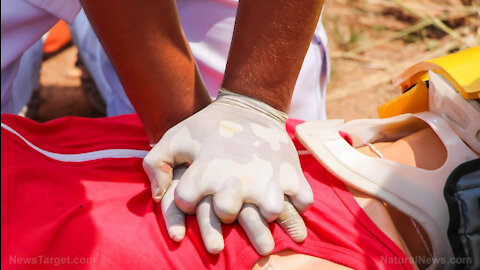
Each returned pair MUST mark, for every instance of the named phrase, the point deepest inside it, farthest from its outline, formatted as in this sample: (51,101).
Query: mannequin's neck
(422,149)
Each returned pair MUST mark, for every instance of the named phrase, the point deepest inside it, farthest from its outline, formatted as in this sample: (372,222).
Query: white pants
(24,22)
(15,97)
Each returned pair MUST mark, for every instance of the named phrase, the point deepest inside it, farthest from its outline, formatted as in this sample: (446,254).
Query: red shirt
(62,207)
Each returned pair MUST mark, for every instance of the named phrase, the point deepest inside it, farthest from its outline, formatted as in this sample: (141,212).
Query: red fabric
(61,213)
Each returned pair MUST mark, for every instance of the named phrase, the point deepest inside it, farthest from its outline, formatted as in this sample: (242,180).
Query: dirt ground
(370,42)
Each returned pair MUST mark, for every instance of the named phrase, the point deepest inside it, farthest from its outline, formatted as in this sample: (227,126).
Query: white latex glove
(239,152)
(249,218)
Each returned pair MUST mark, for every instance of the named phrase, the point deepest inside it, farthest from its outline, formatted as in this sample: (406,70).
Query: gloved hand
(239,152)
(249,218)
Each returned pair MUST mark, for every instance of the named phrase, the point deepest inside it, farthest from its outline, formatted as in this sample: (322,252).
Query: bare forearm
(270,40)
(148,49)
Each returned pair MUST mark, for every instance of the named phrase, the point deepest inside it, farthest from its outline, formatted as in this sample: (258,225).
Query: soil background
(370,43)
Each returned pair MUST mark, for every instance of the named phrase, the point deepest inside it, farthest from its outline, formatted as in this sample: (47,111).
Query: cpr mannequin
(419,151)
(108,225)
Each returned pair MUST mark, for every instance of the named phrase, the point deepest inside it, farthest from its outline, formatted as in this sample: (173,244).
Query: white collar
(414,191)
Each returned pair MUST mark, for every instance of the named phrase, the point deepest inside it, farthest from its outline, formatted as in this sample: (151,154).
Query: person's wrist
(169,116)
(227,97)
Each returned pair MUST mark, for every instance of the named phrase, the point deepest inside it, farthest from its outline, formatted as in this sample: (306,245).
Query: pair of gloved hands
(242,164)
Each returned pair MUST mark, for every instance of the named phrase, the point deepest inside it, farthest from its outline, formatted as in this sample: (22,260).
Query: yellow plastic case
(461,69)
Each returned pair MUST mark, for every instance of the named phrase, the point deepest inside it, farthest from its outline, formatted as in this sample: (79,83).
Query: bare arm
(270,40)
(157,69)
(149,51)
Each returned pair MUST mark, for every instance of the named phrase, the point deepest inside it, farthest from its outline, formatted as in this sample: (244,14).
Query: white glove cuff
(251,104)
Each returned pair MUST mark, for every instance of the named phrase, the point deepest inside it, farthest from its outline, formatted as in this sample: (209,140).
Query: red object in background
(57,37)
(99,214)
